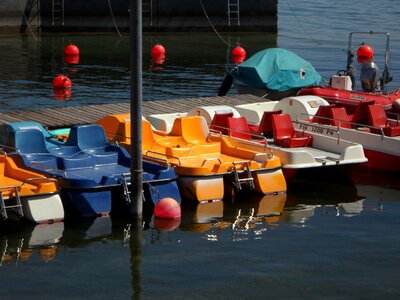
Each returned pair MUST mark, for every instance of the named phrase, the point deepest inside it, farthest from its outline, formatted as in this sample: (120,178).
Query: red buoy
(158,54)
(238,55)
(62,82)
(167,208)
(158,50)
(71,50)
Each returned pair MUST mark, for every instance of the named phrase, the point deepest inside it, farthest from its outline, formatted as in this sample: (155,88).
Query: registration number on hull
(317,129)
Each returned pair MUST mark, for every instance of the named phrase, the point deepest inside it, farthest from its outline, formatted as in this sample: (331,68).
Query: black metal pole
(135,24)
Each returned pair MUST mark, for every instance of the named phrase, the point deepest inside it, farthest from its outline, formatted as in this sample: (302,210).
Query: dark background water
(328,238)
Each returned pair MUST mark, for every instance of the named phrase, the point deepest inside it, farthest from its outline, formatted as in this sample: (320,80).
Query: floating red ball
(62,82)
(238,55)
(158,50)
(167,208)
(71,50)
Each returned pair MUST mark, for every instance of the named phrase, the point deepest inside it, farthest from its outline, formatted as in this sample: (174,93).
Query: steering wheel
(342,73)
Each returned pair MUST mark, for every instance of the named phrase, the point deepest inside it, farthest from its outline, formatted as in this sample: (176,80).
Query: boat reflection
(29,240)
(322,198)
(246,217)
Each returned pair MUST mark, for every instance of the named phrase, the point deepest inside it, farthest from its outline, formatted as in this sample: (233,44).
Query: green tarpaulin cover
(276,69)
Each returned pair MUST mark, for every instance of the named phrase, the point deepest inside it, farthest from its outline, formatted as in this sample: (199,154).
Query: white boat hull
(43,208)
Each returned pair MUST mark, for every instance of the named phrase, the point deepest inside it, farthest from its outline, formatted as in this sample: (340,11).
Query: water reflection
(239,220)
(28,240)
(245,218)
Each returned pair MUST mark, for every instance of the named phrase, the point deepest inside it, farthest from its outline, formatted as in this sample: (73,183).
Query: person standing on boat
(369,74)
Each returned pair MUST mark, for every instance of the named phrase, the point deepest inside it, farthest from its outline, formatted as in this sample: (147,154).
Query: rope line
(212,26)
(300,25)
(112,16)
(26,20)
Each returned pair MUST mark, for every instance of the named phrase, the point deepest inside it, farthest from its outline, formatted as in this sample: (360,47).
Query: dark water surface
(328,238)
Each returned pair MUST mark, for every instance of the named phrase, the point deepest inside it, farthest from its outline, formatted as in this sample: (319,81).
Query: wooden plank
(71,115)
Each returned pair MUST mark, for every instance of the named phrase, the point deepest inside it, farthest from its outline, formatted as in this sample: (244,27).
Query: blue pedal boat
(93,175)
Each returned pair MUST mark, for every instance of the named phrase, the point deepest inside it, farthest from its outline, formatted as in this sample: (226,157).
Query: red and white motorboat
(341,90)
(368,126)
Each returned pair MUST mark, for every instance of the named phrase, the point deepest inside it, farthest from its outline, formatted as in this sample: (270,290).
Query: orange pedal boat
(28,194)
(206,163)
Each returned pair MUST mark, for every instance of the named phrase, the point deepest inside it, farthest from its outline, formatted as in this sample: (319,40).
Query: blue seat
(91,139)
(31,145)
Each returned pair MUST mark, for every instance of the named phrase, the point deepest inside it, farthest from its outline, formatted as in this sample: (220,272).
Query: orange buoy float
(71,50)
(167,208)
(62,82)
(365,53)
(238,55)
(158,54)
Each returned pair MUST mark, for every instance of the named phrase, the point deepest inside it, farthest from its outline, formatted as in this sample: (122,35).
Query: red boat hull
(350,99)
(382,161)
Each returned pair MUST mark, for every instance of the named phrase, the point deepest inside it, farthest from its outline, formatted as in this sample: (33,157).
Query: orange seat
(220,122)
(239,127)
(378,119)
(285,134)
(265,127)
(194,130)
(339,117)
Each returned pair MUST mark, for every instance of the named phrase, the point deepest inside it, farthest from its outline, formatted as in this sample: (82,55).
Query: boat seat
(285,134)
(75,162)
(360,115)
(323,114)
(220,122)
(239,128)
(339,117)
(32,147)
(194,130)
(265,127)
(378,119)
(91,139)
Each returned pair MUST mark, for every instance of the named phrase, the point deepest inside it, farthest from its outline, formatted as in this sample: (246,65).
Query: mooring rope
(300,25)
(211,24)
(112,16)
(26,20)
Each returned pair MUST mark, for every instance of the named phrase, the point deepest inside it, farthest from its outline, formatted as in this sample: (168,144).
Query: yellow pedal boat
(28,194)
(206,163)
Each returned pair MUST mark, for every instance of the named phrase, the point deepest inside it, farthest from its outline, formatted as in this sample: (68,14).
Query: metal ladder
(233,12)
(16,206)
(147,11)
(57,12)
(239,181)
(124,183)
(125,186)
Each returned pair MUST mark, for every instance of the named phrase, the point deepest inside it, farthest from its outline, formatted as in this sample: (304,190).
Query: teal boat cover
(276,69)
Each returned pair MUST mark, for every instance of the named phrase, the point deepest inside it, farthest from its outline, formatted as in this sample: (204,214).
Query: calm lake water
(328,238)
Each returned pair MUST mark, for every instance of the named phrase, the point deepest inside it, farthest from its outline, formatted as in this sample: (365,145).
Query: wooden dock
(53,118)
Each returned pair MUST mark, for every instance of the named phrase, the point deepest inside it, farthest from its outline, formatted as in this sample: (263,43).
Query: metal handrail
(211,159)
(164,154)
